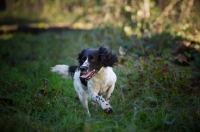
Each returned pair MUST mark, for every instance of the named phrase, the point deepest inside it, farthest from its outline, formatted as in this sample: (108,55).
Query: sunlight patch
(6,36)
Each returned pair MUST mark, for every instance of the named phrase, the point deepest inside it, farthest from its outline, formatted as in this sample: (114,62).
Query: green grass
(158,96)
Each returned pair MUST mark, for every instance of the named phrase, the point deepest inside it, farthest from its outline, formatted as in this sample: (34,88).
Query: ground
(152,92)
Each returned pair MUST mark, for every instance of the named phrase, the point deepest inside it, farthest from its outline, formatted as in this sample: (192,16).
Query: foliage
(146,14)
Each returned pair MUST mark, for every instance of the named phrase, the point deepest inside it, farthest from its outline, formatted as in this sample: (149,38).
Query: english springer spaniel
(93,77)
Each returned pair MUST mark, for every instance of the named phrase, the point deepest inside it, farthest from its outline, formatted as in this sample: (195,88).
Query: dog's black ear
(107,57)
(80,56)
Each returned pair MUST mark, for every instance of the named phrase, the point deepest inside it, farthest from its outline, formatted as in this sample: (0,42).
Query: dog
(93,77)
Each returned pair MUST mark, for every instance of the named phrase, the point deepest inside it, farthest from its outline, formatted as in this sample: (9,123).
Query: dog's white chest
(103,80)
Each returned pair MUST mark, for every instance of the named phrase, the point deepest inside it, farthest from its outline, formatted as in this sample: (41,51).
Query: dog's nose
(83,68)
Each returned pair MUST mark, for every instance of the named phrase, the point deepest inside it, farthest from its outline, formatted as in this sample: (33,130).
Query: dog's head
(91,61)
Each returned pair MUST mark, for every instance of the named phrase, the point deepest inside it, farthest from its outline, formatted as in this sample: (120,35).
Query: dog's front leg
(102,102)
(93,90)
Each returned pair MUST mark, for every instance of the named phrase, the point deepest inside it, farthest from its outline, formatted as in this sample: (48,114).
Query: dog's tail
(64,70)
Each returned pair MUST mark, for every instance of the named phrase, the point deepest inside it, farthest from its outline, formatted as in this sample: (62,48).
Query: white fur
(61,70)
(86,63)
(102,82)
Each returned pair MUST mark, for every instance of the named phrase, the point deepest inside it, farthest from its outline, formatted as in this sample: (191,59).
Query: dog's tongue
(86,75)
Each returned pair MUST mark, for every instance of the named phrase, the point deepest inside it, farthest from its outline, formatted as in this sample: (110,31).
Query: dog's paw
(106,107)
(108,110)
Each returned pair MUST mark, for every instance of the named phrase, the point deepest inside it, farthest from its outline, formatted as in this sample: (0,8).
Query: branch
(190,5)
(166,11)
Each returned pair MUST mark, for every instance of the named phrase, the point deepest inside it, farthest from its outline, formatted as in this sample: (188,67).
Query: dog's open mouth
(88,75)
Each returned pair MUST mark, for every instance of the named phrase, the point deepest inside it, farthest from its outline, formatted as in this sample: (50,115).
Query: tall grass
(151,94)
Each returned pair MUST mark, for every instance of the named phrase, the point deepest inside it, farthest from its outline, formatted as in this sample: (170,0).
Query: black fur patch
(107,57)
(80,55)
(72,70)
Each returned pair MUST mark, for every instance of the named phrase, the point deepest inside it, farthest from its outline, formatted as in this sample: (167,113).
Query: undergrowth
(151,94)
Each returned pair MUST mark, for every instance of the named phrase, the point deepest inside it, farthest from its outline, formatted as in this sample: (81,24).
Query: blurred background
(147,15)
(170,23)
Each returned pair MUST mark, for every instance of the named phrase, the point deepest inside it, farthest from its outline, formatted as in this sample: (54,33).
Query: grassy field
(151,94)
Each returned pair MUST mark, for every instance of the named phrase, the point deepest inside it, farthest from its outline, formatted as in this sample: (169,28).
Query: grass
(151,94)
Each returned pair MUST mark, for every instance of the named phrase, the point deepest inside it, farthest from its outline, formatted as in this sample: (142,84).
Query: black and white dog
(93,77)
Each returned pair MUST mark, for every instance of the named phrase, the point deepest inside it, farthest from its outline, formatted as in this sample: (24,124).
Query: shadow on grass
(28,24)
(154,45)
(12,20)
(36,28)
(184,51)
